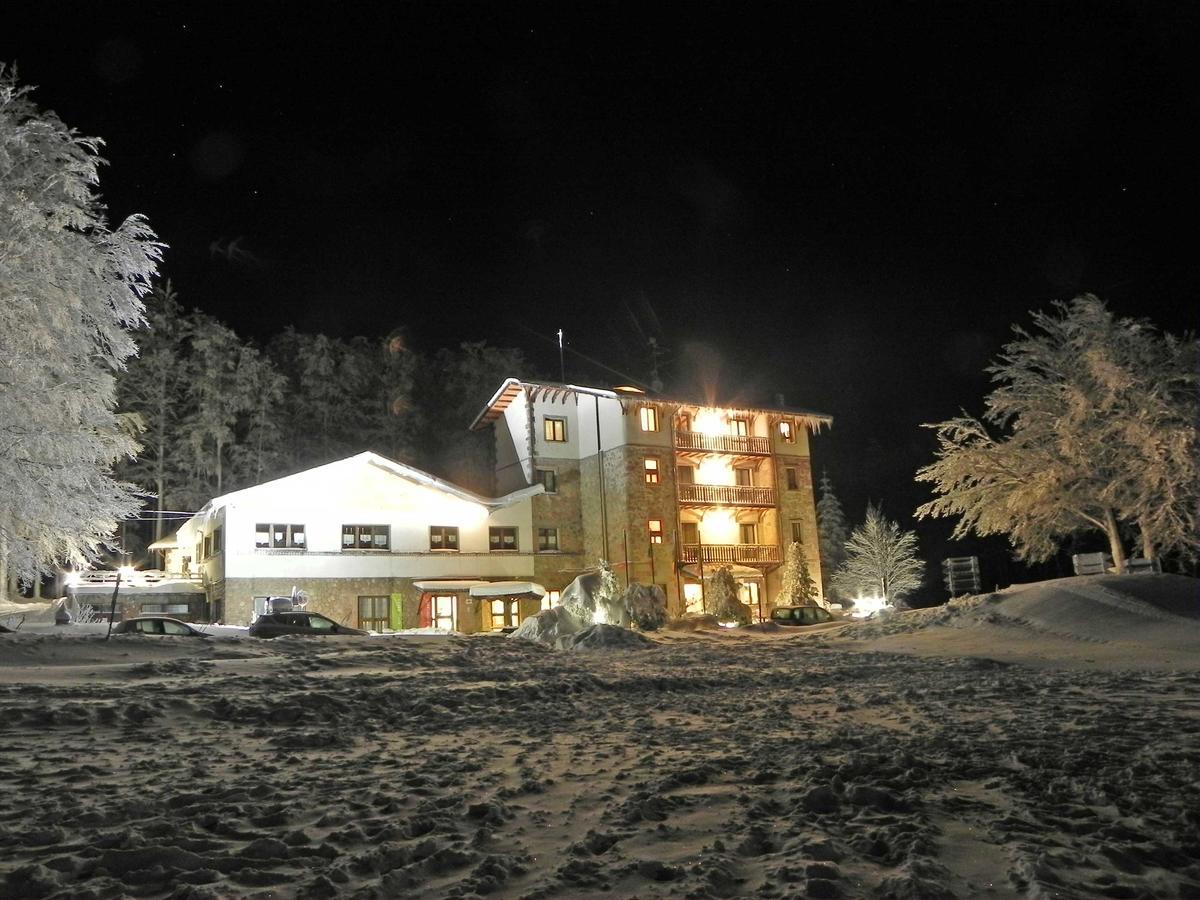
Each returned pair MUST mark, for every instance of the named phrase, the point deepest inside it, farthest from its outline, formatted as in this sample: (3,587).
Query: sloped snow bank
(604,637)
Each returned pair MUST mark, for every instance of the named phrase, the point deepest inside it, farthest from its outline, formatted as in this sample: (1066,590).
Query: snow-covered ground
(1043,741)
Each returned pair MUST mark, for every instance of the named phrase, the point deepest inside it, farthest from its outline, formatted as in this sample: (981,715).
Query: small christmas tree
(721,599)
(798,587)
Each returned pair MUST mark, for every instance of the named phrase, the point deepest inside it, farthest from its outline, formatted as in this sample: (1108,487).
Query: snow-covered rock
(548,626)
(604,637)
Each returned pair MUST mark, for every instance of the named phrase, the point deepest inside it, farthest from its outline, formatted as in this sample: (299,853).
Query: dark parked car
(305,623)
(156,625)
(800,615)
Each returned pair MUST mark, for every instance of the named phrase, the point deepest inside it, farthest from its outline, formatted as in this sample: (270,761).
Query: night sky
(845,204)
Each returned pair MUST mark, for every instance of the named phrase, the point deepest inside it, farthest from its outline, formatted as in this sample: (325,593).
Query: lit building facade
(665,490)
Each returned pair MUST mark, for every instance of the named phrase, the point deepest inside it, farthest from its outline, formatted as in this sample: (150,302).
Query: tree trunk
(1148,550)
(1114,541)
(3,566)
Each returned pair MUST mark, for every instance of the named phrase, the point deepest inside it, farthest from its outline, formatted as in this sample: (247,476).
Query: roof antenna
(562,362)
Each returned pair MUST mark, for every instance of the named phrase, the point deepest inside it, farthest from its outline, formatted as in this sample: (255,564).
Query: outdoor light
(72,579)
(709,421)
(868,606)
(127,572)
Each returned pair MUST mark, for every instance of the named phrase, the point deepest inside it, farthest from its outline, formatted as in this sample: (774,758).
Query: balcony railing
(727,494)
(731,553)
(722,443)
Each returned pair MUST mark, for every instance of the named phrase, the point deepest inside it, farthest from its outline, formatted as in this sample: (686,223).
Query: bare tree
(881,560)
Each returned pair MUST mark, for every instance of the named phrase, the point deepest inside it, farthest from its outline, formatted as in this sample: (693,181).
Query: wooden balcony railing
(727,494)
(722,443)
(730,553)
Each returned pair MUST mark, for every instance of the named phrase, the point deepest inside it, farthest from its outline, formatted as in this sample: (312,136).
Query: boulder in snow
(548,626)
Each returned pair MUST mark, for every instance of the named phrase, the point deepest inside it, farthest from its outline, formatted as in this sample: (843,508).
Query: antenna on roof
(562,362)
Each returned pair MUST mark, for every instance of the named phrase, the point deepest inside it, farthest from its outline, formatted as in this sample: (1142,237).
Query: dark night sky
(847,204)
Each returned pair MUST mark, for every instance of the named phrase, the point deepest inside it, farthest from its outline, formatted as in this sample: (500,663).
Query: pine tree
(798,587)
(833,532)
(881,561)
(71,292)
(1097,422)
(721,598)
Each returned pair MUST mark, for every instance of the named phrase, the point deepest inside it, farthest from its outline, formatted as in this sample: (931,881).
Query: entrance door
(749,594)
(443,611)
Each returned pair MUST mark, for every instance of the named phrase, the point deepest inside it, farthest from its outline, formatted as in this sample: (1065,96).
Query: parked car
(305,623)
(156,625)
(800,615)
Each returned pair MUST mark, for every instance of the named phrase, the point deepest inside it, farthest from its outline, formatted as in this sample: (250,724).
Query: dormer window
(649,417)
(787,431)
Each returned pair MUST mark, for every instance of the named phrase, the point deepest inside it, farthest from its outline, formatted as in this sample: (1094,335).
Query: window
(654,526)
(748,533)
(787,431)
(651,466)
(169,609)
(686,474)
(649,417)
(502,538)
(551,599)
(208,551)
(441,609)
(366,537)
(685,421)
(797,533)
(547,540)
(279,537)
(373,613)
(740,427)
(218,540)
(556,429)
(548,478)
(505,614)
(745,477)
(443,537)
(791,479)
(691,532)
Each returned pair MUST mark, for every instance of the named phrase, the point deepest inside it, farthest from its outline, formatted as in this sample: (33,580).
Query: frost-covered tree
(797,587)
(881,560)
(645,605)
(833,531)
(1093,425)
(71,292)
(721,598)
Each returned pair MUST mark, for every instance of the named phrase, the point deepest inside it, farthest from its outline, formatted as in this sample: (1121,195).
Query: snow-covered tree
(645,605)
(833,531)
(797,587)
(1097,429)
(721,598)
(881,560)
(71,292)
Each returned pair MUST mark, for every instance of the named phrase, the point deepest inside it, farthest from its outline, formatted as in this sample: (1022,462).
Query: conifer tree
(71,293)
(798,587)
(721,598)
(833,532)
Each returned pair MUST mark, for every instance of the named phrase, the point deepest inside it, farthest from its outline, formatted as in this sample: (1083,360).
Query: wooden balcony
(725,495)
(722,443)
(750,554)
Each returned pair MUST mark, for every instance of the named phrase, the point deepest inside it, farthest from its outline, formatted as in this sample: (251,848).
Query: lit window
(442,609)
(748,533)
(740,427)
(277,537)
(788,432)
(548,479)
(654,526)
(547,540)
(504,614)
(791,478)
(366,537)
(373,613)
(502,539)
(797,533)
(551,599)
(443,537)
(555,429)
(649,418)
(651,471)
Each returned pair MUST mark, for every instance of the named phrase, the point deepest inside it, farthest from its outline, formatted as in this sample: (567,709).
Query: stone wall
(797,506)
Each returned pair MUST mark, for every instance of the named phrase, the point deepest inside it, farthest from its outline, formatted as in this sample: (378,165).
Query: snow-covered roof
(627,397)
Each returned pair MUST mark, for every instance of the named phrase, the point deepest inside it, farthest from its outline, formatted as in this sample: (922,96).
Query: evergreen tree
(881,561)
(833,532)
(71,292)
(721,598)
(798,587)
(645,605)
(1098,429)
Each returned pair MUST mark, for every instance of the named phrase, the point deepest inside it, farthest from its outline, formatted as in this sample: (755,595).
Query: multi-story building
(665,490)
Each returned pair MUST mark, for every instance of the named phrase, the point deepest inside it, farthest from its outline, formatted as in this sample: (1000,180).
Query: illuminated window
(555,429)
(504,614)
(277,537)
(788,432)
(441,609)
(686,474)
(649,418)
(654,526)
(547,540)
(548,479)
(502,539)
(651,471)
(366,537)
(797,533)
(551,599)
(740,427)
(373,613)
(443,537)
(685,422)
(748,533)
(691,532)
(791,478)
